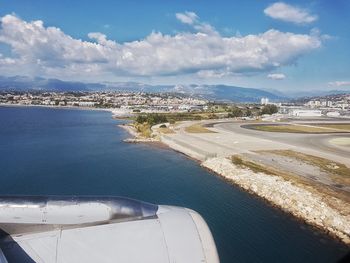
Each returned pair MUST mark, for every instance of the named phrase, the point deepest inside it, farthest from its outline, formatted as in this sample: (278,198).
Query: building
(333,114)
(313,103)
(329,103)
(305,113)
(264,101)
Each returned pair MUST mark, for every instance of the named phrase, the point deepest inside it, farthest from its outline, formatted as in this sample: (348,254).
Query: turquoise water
(75,152)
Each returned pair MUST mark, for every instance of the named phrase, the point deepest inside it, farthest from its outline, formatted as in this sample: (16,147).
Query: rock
(289,197)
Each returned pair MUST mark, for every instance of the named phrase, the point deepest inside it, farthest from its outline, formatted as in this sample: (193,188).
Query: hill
(210,92)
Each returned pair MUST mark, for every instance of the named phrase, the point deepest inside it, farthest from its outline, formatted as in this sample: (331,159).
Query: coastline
(295,199)
(285,195)
(136,137)
(55,107)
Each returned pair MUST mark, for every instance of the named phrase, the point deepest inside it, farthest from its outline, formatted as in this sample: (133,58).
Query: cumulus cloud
(289,13)
(276,76)
(49,51)
(339,83)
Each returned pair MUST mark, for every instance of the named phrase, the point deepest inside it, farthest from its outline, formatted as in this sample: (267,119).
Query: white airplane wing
(101,229)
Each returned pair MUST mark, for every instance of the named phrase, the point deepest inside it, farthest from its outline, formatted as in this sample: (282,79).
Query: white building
(333,114)
(86,103)
(313,103)
(264,101)
(184,107)
(305,113)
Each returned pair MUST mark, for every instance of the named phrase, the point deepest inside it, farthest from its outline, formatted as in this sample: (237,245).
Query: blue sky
(290,45)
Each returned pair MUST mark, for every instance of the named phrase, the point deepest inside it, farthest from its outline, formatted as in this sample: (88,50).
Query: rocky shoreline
(286,195)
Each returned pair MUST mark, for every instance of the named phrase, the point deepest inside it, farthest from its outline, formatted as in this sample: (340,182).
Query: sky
(286,46)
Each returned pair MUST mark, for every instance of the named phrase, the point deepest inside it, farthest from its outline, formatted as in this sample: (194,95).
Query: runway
(309,143)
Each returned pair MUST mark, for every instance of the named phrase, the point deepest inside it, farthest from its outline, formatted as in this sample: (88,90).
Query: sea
(47,151)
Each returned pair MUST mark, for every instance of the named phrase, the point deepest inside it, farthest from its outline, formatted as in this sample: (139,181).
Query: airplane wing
(101,229)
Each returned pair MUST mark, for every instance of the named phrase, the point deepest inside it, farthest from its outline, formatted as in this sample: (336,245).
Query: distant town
(331,106)
(135,101)
(142,102)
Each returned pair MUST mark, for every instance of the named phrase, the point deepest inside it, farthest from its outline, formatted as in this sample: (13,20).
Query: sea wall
(290,197)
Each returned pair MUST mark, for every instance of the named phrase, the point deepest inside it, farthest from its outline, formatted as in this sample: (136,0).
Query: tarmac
(231,138)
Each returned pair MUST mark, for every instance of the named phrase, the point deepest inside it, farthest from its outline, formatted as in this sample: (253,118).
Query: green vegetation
(214,111)
(292,128)
(151,119)
(197,128)
(235,112)
(219,107)
(144,123)
(269,109)
(248,112)
(156,118)
(184,116)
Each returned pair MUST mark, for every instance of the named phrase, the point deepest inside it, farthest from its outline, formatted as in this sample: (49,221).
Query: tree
(152,118)
(155,118)
(248,112)
(141,119)
(235,112)
(269,109)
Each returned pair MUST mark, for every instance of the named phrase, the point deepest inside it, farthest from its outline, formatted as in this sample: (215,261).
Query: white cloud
(276,76)
(289,13)
(339,83)
(211,74)
(187,17)
(48,51)
(6,61)
(192,19)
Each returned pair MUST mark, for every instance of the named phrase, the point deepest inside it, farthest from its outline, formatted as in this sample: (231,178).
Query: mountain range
(210,92)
